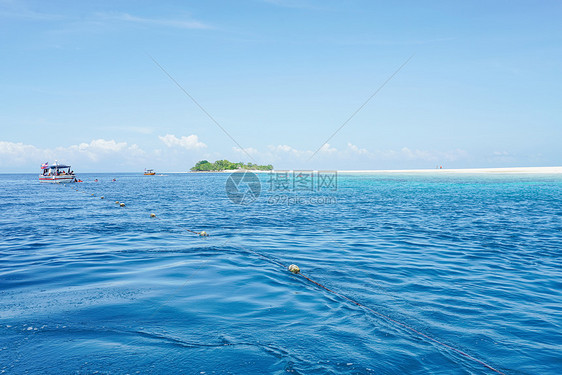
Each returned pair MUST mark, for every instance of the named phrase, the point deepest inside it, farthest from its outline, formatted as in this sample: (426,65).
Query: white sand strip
(526,170)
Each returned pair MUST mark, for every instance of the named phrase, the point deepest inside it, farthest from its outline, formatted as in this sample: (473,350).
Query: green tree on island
(225,165)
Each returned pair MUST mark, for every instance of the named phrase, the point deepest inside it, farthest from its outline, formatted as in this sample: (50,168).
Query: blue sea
(447,271)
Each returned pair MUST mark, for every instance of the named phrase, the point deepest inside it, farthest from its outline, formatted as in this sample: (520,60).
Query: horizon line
(547,170)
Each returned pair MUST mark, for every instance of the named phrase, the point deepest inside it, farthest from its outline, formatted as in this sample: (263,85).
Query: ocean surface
(471,261)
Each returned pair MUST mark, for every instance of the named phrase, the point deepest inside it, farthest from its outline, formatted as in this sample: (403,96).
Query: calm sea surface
(89,287)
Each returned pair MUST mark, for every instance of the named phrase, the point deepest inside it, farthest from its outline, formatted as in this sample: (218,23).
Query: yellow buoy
(102,197)
(122,204)
(294,268)
(92,195)
(116,202)
(203,234)
(152,215)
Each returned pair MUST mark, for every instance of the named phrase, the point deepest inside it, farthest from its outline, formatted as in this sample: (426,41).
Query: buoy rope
(296,270)
(121,204)
(270,259)
(201,233)
(402,325)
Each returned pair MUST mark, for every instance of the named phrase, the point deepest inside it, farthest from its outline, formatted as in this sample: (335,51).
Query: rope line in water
(152,215)
(403,325)
(296,270)
(202,233)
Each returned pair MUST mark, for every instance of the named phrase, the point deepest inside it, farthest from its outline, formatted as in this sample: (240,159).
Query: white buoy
(294,268)
(122,204)
(152,215)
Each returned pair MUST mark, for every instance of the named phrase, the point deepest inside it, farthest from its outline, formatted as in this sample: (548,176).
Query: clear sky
(77,83)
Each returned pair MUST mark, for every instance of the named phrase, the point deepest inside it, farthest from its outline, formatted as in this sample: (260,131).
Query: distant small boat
(56,173)
(149,172)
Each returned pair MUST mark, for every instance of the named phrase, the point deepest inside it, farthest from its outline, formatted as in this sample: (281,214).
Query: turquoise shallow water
(473,261)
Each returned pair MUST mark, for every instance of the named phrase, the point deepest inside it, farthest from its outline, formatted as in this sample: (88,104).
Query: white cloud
(282,151)
(135,150)
(501,157)
(166,22)
(112,154)
(101,145)
(283,148)
(456,154)
(189,143)
(356,149)
(407,154)
(327,149)
(19,10)
(10,148)
(353,152)
(418,155)
(97,148)
(21,154)
(247,150)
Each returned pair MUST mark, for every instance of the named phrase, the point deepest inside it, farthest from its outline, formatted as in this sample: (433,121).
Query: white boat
(56,173)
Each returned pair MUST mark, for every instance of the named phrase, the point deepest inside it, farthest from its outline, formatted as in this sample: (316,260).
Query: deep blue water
(473,261)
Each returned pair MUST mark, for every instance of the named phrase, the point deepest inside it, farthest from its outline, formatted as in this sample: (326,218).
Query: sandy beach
(517,170)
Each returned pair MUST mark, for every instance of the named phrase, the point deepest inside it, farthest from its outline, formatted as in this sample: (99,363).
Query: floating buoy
(116,202)
(203,234)
(152,215)
(122,204)
(92,195)
(102,197)
(294,268)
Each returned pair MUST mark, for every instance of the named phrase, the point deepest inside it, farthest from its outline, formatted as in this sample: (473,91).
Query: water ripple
(473,261)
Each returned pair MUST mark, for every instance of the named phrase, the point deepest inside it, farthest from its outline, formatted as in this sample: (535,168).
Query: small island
(225,165)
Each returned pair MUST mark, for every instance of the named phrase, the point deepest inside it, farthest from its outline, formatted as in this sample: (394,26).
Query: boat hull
(57,179)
